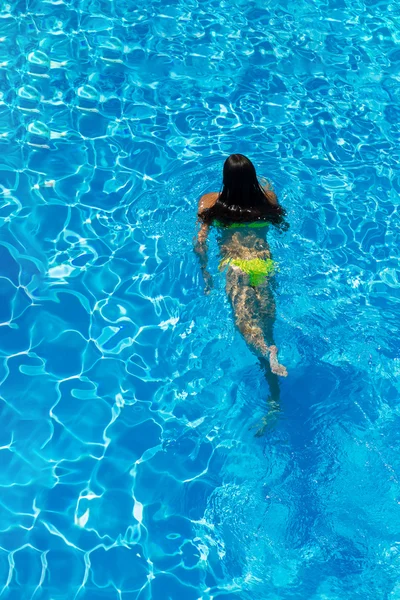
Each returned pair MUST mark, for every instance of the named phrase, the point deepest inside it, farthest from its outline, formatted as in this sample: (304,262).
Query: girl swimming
(242,211)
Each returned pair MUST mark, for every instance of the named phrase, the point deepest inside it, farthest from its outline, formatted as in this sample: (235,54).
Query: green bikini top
(253,225)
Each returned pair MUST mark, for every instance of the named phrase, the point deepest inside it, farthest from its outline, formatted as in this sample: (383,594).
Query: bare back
(238,243)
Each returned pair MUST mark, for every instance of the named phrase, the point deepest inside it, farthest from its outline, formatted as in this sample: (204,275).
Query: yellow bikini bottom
(256,268)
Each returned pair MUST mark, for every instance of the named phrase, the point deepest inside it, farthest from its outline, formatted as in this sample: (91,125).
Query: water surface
(129,402)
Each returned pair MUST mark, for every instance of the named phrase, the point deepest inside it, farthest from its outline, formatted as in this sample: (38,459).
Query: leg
(243,298)
(273,401)
(267,312)
(245,303)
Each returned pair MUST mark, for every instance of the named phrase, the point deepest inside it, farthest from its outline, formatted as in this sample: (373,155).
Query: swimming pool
(130,468)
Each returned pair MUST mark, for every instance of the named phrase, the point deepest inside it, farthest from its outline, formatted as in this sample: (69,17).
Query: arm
(200,248)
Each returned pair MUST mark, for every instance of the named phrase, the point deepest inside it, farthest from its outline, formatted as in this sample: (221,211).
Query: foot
(267,423)
(276,367)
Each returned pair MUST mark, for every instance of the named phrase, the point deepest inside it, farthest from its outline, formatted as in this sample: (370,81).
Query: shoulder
(271,197)
(207,201)
(268,191)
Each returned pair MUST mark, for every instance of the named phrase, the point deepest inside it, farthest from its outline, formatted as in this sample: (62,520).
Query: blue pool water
(129,402)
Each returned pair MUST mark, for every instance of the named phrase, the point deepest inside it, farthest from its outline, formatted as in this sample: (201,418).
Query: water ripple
(129,401)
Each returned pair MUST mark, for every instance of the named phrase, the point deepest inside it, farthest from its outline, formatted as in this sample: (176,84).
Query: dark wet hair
(242,199)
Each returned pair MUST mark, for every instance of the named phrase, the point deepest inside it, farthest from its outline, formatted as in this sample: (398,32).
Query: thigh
(266,300)
(241,295)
